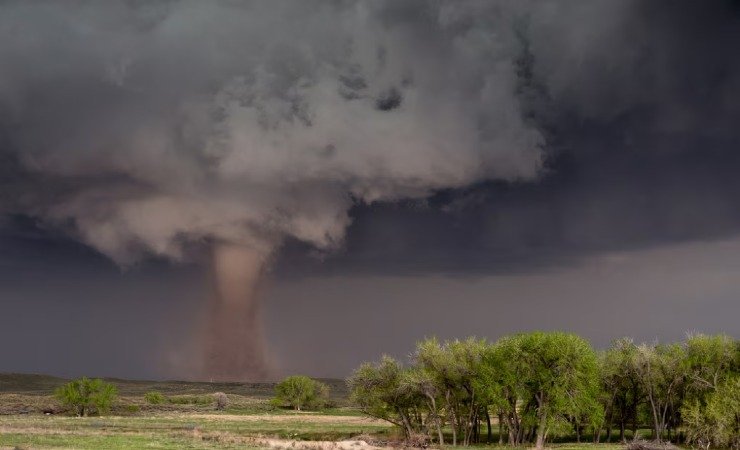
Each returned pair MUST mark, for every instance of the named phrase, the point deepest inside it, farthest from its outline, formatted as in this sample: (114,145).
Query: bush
(300,391)
(87,396)
(221,400)
(154,398)
(132,408)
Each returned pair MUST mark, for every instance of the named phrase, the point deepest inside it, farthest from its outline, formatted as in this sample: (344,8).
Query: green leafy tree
(382,391)
(561,379)
(504,375)
(87,396)
(417,380)
(622,392)
(663,371)
(717,423)
(711,361)
(301,392)
(456,369)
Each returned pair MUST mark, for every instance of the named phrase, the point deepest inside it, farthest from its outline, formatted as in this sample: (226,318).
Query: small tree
(87,395)
(300,391)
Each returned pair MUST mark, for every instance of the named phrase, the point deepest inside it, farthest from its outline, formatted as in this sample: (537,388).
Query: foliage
(380,391)
(622,391)
(155,398)
(454,368)
(710,360)
(87,395)
(132,408)
(301,392)
(662,370)
(542,385)
(560,380)
(717,423)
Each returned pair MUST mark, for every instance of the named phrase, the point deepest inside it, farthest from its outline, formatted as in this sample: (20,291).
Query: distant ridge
(38,384)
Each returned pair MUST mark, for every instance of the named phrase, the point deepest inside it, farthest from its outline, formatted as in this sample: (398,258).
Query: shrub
(132,408)
(221,400)
(154,398)
(87,396)
(300,391)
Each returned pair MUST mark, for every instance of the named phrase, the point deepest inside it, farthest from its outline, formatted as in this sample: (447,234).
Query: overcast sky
(412,168)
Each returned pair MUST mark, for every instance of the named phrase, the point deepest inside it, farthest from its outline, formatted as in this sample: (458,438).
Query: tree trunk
(438,420)
(541,431)
(406,424)
(542,425)
(500,428)
(489,435)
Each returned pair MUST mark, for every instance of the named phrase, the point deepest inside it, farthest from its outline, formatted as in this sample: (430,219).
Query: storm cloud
(145,127)
(503,141)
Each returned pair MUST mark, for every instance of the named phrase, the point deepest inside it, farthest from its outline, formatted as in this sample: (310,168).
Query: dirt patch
(307,418)
(316,445)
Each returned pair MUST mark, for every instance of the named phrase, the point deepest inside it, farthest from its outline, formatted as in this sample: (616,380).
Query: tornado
(235,343)
(157,143)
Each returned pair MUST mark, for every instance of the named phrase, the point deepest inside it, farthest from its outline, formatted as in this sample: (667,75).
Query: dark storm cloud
(513,141)
(639,104)
(145,127)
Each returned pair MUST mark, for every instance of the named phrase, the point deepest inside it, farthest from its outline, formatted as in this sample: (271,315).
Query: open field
(182,430)
(202,431)
(188,420)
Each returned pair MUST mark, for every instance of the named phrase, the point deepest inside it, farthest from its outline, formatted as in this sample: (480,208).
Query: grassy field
(188,420)
(182,430)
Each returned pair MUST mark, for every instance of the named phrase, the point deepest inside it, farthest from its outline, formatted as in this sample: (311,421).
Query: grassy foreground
(179,431)
(188,420)
(196,431)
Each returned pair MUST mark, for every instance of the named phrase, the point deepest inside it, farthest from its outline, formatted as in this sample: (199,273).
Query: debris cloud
(236,346)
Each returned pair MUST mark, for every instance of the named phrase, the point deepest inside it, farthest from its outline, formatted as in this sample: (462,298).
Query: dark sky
(414,169)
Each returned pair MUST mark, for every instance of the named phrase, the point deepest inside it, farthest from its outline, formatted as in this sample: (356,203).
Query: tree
(455,367)
(718,422)
(710,361)
(620,383)
(300,391)
(421,381)
(504,375)
(87,396)
(662,370)
(382,391)
(561,379)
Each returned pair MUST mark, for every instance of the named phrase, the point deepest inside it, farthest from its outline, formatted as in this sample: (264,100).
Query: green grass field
(188,420)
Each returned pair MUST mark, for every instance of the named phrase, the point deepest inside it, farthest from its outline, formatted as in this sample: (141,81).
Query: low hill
(33,384)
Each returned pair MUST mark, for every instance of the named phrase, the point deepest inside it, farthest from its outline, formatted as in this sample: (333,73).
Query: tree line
(537,386)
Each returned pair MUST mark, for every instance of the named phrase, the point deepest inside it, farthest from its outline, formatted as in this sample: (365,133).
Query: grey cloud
(145,126)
